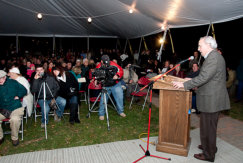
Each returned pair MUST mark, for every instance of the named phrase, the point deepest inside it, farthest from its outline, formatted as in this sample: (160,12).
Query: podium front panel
(174,121)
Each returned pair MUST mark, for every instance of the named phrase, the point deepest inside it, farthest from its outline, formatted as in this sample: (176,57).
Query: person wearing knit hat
(15,70)
(2,73)
(105,59)
(10,106)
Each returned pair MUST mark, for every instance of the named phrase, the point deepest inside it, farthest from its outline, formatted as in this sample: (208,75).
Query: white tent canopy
(110,18)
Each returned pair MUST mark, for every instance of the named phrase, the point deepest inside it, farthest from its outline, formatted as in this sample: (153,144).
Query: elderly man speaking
(212,95)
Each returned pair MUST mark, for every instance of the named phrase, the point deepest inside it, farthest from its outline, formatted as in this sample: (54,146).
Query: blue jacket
(76,77)
(8,91)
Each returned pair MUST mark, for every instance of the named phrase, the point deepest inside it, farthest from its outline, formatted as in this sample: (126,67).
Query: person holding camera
(51,92)
(112,84)
(130,77)
(69,90)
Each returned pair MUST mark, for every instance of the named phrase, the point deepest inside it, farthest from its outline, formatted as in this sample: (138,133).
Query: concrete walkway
(124,152)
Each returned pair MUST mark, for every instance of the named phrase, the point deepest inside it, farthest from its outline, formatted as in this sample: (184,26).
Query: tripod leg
(112,101)
(106,111)
(35,104)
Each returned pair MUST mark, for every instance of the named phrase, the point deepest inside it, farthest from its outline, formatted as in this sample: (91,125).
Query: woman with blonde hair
(76,71)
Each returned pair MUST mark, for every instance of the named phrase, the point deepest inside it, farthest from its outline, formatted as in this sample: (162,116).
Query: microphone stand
(150,85)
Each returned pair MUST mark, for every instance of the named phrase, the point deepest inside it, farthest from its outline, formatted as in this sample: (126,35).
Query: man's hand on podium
(178,84)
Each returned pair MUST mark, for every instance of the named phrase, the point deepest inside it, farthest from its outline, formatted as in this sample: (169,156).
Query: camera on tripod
(105,74)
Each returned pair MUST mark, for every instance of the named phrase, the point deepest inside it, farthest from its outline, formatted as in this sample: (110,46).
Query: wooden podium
(174,120)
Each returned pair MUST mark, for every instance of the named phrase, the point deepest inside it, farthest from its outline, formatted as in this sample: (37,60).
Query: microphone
(188,59)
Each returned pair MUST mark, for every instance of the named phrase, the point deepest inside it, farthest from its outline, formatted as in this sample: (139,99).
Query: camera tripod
(103,94)
(43,86)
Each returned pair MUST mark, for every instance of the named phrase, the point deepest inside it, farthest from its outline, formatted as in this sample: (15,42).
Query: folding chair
(25,112)
(141,82)
(84,93)
(92,96)
(21,129)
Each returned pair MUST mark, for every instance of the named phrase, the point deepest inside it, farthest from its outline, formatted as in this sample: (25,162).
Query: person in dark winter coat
(69,90)
(51,92)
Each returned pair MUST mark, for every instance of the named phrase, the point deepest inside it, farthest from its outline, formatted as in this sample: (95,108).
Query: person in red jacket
(112,85)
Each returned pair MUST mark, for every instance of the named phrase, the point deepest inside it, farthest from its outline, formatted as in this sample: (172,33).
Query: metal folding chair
(93,92)
(21,129)
(84,93)
(141,82)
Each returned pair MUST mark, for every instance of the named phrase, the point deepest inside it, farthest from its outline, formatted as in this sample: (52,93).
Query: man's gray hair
(211,41)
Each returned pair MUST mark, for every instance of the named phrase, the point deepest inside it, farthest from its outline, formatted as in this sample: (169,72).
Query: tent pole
(162,44)
(209,28)
(207,35)
(116,43)
(140,45)
(125,47)
(130,47)
(213,32)
(53,44)
(87,44)
(145,45)
(172,45)
(17,43)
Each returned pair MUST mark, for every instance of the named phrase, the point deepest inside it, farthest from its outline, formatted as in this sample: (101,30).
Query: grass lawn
(236,110)
(89,131)
(92,130)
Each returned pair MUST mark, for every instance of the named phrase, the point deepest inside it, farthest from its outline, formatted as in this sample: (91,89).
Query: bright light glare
(39,16)
(163,27)
(89,19)
(161,40)
(131,11)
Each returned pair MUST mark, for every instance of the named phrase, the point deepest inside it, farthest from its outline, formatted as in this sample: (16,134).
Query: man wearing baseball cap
(10,106)
(112,85)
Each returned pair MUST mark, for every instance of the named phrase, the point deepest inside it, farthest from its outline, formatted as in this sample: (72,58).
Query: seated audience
(51,94)
(76,71)
(129,77)
(10,105)
(14,74)
(192,74)
(195,60)
(69,65)
(230,83)
(165,67)
(178,72)
(69,90)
